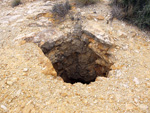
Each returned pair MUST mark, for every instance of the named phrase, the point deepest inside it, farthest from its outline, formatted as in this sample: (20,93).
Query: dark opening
(74,60)
(78,67)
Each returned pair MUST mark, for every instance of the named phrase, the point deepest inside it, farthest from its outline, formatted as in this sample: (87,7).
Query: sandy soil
(26,84)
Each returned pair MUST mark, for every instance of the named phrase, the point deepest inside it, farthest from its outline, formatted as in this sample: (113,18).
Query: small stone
(24,74)
(98,79)
(9,83)
(129,106)
(25,69)
(83,13)
(4,107)
(13,18)
(85,101)
(118,73)
(95,19)
(14,79)
(122,34)
(18,92)
(64,94)
(90,17)
(136,100)
(22,42)
(136,51)
(133,34)
(143,106)
(125,85)
(100,17)
(39,23)
(94,12)
(136,80)
(117,47)
(125,47)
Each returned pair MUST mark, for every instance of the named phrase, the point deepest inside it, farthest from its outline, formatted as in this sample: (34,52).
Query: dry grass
(85,2)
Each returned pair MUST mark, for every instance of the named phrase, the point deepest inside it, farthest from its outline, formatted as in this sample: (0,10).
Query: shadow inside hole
(80,67)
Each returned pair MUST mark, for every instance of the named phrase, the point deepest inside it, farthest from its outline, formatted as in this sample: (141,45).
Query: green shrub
(135,11)
(15,3)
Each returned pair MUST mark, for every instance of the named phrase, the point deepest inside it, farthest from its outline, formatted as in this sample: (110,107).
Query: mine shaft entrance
(75,60)
(78,67)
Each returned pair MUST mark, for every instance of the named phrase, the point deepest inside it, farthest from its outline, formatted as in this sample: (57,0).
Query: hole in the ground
(78,58)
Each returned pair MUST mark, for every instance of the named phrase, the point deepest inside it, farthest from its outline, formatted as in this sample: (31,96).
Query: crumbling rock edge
(78,54)
(79,57)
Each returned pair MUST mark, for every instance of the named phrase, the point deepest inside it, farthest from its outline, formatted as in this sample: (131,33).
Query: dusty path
(26,85)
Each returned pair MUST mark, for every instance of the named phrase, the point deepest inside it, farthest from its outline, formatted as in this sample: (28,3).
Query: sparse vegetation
(134,11)
(61,10)
(85,2)
(15,3)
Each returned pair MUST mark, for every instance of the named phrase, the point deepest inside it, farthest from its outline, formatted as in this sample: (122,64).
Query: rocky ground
(29,83)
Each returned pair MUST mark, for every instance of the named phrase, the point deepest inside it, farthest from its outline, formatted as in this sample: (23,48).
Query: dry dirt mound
(29,83)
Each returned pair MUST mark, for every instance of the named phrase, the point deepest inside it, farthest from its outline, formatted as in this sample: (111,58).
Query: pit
(79,57)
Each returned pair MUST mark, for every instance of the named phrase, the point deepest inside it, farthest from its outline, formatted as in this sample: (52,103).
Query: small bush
(61,10)
(117,12)
(85,2)
(135,11)
(144,16)
(15,3)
